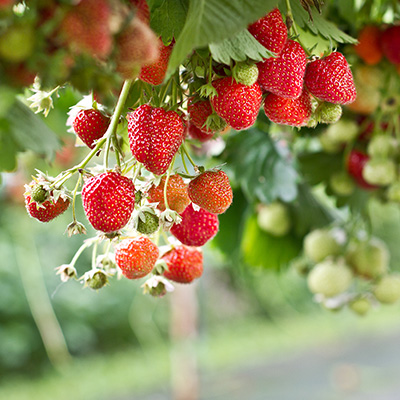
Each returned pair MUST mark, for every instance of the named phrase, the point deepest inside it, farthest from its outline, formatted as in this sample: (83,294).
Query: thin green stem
(166,183)
(74,197)
(110,131)
(81,249)
(188,156)
(184,162)
(289,14)
(94,255)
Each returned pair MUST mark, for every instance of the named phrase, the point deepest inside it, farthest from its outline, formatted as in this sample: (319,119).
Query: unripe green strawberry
(328,113)
(360,305)
(329,145)
(149,225)
(246,74)
(274,218)
(95,279)
(17,43)
(382,146)
(343,131)
(319,244)
(341,183)
(39,194)
(368,258)
(379,171)
(388,289)
(393,193)
(329,278)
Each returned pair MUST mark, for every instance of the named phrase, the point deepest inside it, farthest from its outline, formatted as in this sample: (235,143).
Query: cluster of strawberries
(189,210)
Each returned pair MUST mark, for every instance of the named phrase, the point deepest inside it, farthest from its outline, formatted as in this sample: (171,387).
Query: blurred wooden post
(183,333)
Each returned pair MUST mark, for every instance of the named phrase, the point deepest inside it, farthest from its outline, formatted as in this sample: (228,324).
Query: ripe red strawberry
(42,204)
(330,79)
(185,264)
(199,112)
(154,137)
(154,73)
(177,194)
(86,27)
(284,74)
(390,43)
(136,45)
(90,125)
(270,31)
(136,257)
(211,191)
(293,112)
(236,103)
(196,227)
(108,200)
(355,166)
(142,10)
(198,134)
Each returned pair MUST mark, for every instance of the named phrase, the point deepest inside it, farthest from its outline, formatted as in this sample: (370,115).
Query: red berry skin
(284,74)
(198,134)
(270,31)
(47,210)
(199,112)
(237,104)
(86,27)
(330,79)
(154,73)
(90,125)
(355,165)
(108,200)
(185,264)
(211,191)
(293,112)
(177,194)
(155,136)
(136,257)
(196,227)
(390,43)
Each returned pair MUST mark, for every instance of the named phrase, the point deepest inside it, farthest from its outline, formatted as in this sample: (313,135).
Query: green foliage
(211,21)
(261,166)
(319,25)
(239,48)
(23,130)
(261,249)
(168,18)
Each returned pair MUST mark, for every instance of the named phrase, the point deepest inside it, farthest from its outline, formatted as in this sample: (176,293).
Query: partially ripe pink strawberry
(177,194)
(185,264)
(270,31)
(154,137)
(236,103)
(284,74)
(90,125)
(390,43)
(154,73)
(196,227)
(108,200)
(355,165)
(136,45)
(86,27)
(330,79)
(293,112)
(211,191)
(136,257)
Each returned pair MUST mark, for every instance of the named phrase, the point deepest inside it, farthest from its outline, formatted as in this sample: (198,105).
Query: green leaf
(262,168)
(211,21)
(30,132)
(385,222)
(319,25)
(8,151)
(239,48)
(261,249)
(168,18)
(318,167)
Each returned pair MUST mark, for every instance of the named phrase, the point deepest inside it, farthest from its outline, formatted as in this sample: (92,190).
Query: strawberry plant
(167,98)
